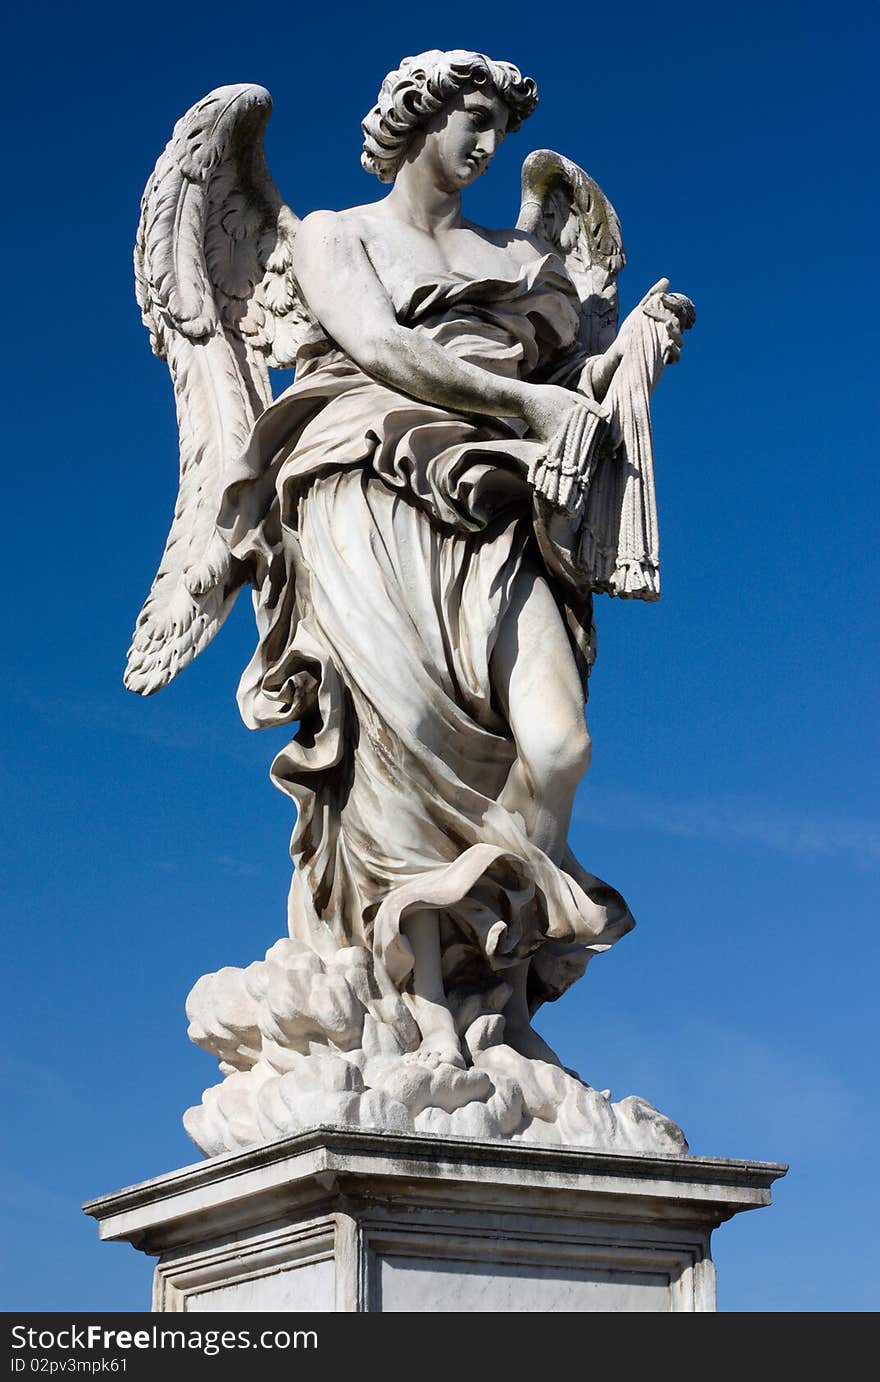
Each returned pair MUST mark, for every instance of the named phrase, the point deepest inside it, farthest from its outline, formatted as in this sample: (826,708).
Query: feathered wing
(562,205)
(601,470)
(215,286)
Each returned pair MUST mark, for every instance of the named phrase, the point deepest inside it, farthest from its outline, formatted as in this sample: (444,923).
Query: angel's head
(460,103)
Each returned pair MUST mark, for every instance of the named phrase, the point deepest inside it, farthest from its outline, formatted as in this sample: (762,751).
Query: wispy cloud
(727,821)
(737,821)
(237,868)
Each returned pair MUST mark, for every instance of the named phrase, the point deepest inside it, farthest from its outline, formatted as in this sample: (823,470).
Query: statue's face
(460,140)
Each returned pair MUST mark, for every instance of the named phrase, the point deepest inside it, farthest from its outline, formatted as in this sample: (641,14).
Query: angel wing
(611,544)
(215,287)
(562,205)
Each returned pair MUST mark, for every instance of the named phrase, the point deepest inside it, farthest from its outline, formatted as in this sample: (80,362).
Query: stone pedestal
(331,1220)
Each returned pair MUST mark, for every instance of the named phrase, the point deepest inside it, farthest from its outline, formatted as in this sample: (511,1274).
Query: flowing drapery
(387,534)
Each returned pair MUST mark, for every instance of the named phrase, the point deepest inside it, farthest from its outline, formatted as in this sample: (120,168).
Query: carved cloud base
(333,1221)
(304,1042)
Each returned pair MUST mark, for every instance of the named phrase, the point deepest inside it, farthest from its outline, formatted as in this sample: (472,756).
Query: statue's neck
(417,199)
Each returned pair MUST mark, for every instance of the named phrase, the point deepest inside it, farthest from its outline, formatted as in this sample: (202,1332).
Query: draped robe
(386,534)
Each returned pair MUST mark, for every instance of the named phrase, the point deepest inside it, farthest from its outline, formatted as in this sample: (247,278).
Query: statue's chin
(466,173)
(477,171)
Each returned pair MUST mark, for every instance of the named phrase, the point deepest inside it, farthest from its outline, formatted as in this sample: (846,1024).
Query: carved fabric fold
(402,527)
(619,540)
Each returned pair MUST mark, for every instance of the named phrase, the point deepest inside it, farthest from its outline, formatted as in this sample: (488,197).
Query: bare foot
(438,1048)
(440,1044)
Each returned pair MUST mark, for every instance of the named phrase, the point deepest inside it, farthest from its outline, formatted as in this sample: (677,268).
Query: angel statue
(462,460)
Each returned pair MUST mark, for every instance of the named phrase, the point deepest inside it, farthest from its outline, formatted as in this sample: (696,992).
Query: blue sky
(732,796)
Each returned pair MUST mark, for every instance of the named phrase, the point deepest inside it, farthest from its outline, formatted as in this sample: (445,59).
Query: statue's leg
(427,1002)
(518,1030)
(536,681)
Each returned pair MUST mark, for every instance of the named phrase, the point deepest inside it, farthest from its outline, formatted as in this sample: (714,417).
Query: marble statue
(463,460)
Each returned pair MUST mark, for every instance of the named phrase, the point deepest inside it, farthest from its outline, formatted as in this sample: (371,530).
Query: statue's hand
(546,407)
(674,311)
(560,419)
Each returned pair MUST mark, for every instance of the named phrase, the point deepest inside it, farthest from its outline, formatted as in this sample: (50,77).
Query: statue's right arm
(345,294)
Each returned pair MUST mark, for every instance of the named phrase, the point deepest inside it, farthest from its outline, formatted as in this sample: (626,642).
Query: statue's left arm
(595,499)
(565,209)
(673,311)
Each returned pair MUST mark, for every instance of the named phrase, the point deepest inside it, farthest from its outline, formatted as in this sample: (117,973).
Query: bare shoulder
(321,225)
(334,269)
(326,238)
(351,225)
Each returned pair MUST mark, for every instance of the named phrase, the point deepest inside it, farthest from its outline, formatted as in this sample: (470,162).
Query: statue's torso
(404,256)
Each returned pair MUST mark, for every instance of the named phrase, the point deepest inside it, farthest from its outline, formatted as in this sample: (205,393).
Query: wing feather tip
(136,679)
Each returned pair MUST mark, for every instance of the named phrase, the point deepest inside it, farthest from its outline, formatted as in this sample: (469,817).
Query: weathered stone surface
(463,460)
(332,1221)
(304,1043)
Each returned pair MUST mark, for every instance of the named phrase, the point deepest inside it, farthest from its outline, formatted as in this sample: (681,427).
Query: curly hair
(414,92)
